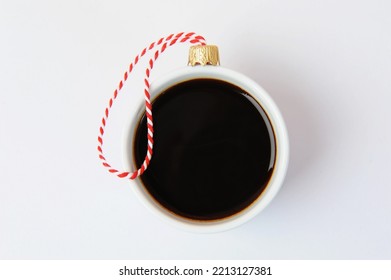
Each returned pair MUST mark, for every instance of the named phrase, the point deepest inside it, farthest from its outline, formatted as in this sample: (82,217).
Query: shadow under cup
(216,161)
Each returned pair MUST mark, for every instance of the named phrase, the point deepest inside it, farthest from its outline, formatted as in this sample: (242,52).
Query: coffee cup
(281,150)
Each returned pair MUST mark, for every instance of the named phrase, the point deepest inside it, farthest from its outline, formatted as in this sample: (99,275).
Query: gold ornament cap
(204,55)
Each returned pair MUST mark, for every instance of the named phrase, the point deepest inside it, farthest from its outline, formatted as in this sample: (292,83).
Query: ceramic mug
(281,142)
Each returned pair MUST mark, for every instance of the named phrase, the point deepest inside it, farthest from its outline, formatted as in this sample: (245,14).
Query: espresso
(214,149)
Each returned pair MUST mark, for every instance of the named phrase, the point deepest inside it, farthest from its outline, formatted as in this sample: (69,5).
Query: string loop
(160,46)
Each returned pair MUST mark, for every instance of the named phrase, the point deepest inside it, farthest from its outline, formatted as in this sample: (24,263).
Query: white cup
(281,139)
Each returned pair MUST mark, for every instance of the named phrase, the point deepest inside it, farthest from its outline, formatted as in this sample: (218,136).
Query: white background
(327,64)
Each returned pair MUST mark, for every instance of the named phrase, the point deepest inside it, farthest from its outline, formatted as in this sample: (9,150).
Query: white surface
(327,65)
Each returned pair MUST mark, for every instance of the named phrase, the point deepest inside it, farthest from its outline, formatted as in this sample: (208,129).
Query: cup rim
(280,133)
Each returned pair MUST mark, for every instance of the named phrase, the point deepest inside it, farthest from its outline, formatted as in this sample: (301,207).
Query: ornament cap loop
(204,55)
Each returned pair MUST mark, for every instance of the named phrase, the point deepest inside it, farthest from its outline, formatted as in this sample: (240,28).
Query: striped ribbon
(158,47)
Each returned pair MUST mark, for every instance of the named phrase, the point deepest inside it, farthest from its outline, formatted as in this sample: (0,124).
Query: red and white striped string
(160,46)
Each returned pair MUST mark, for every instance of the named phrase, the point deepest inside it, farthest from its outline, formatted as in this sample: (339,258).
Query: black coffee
(214,149)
